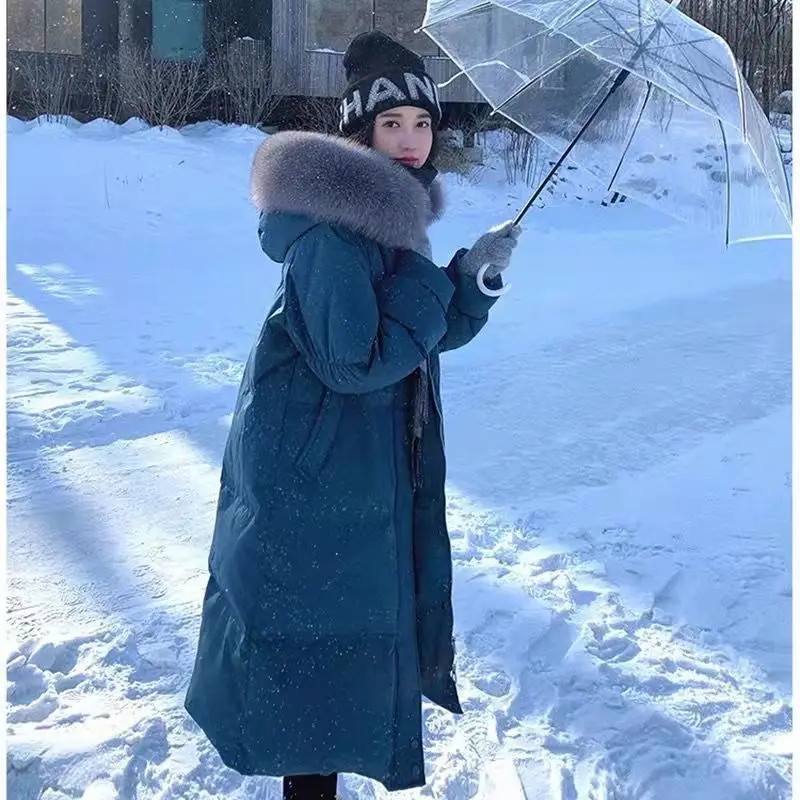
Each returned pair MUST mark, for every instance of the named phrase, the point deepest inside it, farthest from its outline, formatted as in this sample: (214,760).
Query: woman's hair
(363,136)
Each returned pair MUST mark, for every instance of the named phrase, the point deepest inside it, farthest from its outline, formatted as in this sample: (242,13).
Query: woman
(327,614)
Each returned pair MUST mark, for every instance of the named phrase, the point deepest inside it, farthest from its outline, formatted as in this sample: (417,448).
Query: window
(242,18)
(26,25)
(178,29)
(45,26)
(400,19)
(62,31)
(331,26)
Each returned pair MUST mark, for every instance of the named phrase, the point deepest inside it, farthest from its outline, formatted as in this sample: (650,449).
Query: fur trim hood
(342,183)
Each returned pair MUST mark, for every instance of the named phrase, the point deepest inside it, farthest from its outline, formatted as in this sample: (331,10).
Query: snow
(619,483)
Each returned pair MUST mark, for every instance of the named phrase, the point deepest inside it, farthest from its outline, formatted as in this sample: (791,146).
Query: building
(306,37)
(309,37)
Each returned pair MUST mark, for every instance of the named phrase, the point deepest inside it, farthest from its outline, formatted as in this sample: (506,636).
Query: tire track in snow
(621,397)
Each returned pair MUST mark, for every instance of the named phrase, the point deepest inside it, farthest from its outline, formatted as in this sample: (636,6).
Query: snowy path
(619,443)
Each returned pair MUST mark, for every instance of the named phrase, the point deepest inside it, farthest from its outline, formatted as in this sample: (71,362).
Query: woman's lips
(409,162)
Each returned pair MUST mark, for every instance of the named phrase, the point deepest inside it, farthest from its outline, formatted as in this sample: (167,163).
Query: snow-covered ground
(619,467)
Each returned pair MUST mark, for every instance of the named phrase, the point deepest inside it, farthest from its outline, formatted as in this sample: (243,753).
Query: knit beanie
(382,74)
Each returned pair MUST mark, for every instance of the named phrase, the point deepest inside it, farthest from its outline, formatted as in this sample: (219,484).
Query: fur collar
(332,180)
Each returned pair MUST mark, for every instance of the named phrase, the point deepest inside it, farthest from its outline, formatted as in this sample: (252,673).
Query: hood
(301,179)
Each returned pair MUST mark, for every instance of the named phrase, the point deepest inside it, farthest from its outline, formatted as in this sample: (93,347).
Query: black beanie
(382,74)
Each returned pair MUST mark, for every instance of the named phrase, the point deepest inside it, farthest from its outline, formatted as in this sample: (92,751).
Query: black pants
(309,787)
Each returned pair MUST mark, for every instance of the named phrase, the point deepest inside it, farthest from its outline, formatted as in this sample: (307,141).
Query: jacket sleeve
(357,337)
(469,308)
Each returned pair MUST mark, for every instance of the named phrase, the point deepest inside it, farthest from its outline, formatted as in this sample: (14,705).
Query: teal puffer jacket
(328,613)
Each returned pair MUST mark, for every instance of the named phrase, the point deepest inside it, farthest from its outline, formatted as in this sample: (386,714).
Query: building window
(179,29)
(400,20)
(45,26)
(241,18)
(330,27)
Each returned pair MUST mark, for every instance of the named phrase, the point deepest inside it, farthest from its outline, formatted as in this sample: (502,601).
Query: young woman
(328,614)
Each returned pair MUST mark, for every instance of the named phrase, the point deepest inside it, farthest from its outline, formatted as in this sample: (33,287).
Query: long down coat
(328,611)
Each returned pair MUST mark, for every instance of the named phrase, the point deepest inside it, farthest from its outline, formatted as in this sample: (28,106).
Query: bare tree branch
(161,92)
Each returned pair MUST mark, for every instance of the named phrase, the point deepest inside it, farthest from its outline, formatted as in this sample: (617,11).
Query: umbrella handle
(485,289)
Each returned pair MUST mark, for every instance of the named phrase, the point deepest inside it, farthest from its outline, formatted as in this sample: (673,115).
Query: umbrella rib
(727,184)
(639,18)
(456,15)
(693,44)
(693,70)
(683,83)
(675,78)
(693,92)
(609,34)
(558,25)
(624,33)
(736,74)
(630,137)
(531,81)
(673,43)
(739,93)
(702,77)
(620,30)
(467,70)
(772,184)
(682,43)
(709,101)
(674,40)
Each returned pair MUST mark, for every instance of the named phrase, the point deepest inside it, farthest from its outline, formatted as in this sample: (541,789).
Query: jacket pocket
(318,445)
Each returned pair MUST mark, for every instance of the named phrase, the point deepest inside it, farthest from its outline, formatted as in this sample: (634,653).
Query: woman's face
(404,134)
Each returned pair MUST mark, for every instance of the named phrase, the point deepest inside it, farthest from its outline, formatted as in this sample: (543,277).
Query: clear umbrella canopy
(657,103)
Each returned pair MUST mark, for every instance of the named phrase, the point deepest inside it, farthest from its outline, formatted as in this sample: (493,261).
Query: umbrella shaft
(620,79)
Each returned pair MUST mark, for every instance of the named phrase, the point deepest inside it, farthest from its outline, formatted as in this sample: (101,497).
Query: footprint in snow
(612,646)
(37,675)
(147,744)
(614,649)
(490,635)
(495,683)
(540,677)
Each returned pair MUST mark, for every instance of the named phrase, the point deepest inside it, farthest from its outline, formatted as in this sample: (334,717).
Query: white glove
(493,248)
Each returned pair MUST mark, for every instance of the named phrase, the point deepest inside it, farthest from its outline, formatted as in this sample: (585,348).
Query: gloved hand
(494,248)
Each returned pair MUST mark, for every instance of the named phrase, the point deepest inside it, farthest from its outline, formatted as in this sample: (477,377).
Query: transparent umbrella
(651,103)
